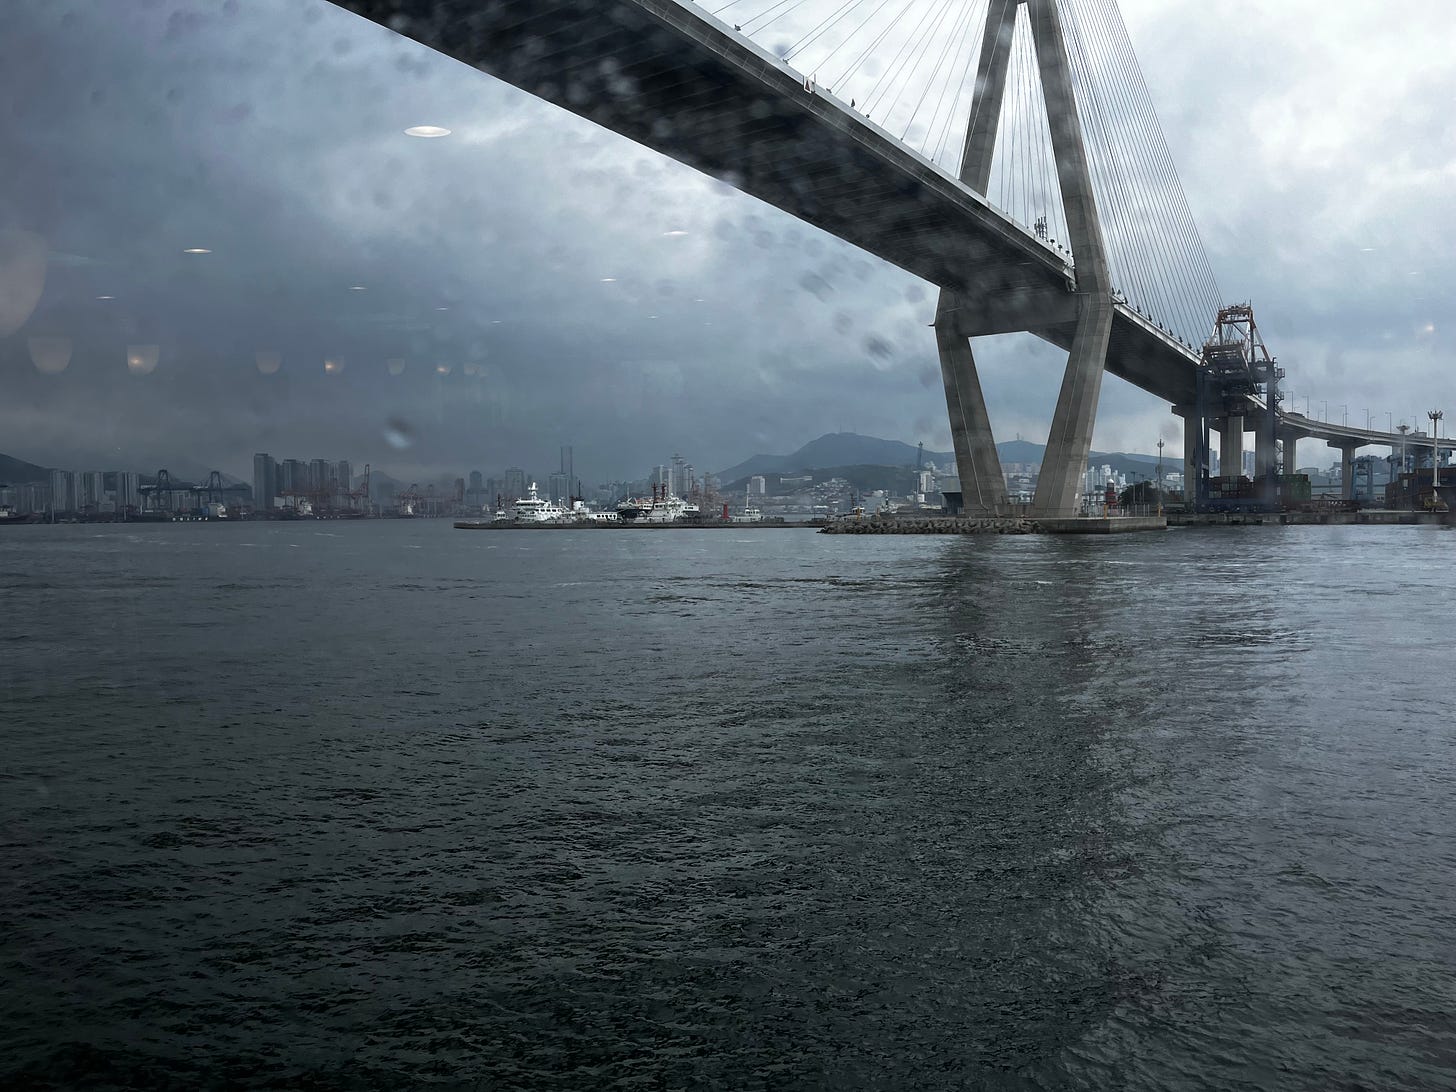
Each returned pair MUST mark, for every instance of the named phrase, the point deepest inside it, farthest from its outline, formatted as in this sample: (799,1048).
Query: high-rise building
(344,474)
(90,490)
(758,484)
(126,490)
(292,476)
(477,487)
(265,481)
(26,498)
(558,487)
(320,475)
(515,483)
(63,491)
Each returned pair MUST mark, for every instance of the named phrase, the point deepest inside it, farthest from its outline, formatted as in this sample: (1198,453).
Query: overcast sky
(544,282)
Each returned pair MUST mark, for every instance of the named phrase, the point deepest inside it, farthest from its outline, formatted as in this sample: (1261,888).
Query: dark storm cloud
(529,249)
(522,268)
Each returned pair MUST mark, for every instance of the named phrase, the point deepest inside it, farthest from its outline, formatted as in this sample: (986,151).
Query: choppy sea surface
(389,805)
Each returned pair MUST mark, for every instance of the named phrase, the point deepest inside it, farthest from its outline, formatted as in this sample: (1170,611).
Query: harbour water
(387,805)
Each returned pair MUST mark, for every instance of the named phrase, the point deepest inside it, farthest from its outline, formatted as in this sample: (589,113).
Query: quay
(1371,517)
(631,525)
(998,525)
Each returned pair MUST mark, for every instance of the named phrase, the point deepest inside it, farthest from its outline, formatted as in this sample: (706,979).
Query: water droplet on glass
(22,278)
(268,363)
(50,355)
(398,434)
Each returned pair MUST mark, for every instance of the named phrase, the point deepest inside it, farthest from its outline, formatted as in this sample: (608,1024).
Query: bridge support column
(1290,454)
(983,488)
(1347,471)
(1231,447)
(1059,488)
(1266,460)
(1190,459)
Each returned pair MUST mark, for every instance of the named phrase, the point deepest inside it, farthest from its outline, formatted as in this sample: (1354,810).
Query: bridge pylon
(1059,486)
(983,487)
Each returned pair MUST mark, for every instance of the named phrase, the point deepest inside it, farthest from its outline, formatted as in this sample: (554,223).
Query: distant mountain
(19,472)
(848,449)
(1023,451)
(1019,451)
(898,480)
(835,449)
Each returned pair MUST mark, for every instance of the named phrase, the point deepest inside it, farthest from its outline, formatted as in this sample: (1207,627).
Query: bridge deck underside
(665,77)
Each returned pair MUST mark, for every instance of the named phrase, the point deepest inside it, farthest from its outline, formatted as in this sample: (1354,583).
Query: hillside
(848,449)
(863,478)
(835,449)
(17,471)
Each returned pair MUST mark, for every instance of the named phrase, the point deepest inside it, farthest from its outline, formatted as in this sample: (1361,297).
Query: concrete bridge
(675,79)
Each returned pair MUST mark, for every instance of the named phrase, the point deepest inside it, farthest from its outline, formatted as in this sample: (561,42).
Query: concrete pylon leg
(983,489)
(1059,488)
(1291,455)
(1231,447)
(980,145)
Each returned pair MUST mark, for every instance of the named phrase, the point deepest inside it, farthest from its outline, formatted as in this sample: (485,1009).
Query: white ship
(751,512)
(532,509)
(664,507)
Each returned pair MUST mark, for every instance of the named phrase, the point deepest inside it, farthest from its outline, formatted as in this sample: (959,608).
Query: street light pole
(1435,415)
(1160,474)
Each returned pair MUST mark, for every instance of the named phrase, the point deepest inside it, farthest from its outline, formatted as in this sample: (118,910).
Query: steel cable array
(909,66)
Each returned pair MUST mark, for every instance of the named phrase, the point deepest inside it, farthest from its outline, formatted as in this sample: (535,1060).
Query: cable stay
(910,67)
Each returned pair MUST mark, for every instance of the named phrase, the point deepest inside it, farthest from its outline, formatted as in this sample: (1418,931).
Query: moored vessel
(664,507)
(532,509)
